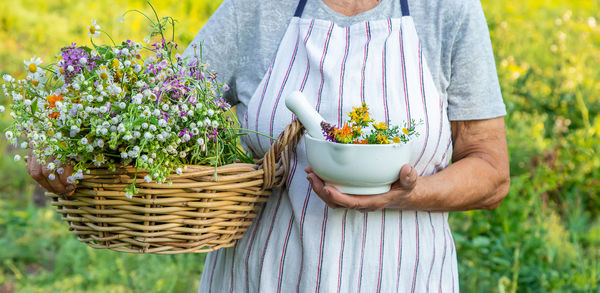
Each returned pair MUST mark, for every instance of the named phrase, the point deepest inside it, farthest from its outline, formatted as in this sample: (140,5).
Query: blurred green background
(545,237)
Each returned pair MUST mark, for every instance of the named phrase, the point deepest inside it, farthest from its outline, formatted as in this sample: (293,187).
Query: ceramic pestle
(306,113)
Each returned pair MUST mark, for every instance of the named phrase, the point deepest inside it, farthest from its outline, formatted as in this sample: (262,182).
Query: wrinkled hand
(400,191)
(56,184)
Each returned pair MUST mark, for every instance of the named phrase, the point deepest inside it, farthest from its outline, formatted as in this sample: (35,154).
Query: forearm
(470,183)
(479,178)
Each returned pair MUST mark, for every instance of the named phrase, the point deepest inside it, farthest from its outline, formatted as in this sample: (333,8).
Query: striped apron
(297,243)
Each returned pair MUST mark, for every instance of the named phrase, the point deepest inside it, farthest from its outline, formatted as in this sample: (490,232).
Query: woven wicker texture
(204,209)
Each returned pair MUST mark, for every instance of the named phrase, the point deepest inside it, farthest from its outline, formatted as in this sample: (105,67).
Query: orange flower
(344,134)
(54,115)
(362,141)
(52,99)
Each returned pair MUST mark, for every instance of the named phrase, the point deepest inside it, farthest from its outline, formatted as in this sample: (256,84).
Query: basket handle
(276,161)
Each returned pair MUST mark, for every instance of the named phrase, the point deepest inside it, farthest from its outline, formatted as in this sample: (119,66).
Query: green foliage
(40,254)
(544,236)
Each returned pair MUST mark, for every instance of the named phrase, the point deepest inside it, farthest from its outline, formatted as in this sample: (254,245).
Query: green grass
(40,254)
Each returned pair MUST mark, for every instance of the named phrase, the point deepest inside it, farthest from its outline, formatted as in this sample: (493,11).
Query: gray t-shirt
(242,36)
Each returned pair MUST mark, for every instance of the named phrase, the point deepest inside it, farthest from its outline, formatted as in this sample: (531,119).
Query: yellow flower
(405,130)
(396,139)
(360,114)
(115,63)
(381,139)
(380,126)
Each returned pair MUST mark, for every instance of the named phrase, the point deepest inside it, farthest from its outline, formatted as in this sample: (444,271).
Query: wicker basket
(194,214)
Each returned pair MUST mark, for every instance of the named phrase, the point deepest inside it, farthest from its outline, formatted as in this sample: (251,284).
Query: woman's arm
(478,178)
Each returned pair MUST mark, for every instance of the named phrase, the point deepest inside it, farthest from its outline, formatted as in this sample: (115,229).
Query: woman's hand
(401,190)
(41,174)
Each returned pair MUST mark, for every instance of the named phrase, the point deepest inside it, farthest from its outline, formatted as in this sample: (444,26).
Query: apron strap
(404,5)
(302,3)
(300,8)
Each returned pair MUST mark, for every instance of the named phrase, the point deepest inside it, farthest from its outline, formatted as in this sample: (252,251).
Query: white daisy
(103,73)
(98,160)
(32,64)
(94,30)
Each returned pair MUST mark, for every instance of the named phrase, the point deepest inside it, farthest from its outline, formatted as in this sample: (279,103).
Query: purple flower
(328,131)
(71,64)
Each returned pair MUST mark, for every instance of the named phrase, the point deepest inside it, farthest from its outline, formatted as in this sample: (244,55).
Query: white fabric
(297,243)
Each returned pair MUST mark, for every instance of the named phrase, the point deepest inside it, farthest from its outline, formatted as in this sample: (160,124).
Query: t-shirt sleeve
(219,40)
(474,91)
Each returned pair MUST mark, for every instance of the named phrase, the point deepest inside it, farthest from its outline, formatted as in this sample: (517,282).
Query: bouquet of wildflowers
(108,106)
(380,133)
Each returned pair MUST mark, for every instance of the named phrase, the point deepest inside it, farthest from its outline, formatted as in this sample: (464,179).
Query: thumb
(408,176)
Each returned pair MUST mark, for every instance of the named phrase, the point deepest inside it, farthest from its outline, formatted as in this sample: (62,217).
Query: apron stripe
(444,159)
(417,252)
(307,59)
(435,152)
(262,96)
(341,260)
(231,273)
(399,252)
(321,249)
(404,82)
(212,273)
(283,253)
(318,106)
(364,66)
(262,256)
(308,192)
(250,243)
(362,250)
(452,255)
(433,257)
(424,106)
(319,96)
(342,72)
(325,49)
(383,75)
(287,237)
(283,84)
(340,118)
(381,247)
(443,256)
